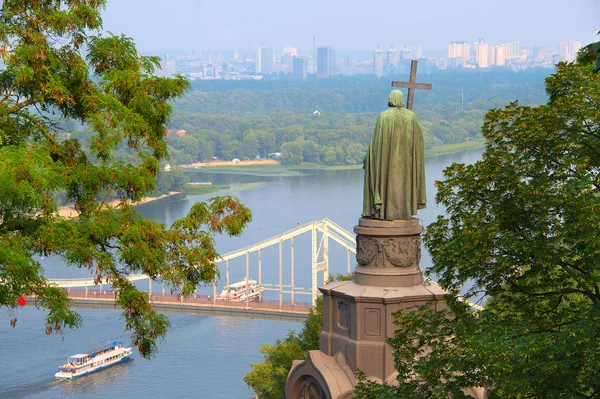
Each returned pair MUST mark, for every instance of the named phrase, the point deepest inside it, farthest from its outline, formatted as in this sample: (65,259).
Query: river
(202,356)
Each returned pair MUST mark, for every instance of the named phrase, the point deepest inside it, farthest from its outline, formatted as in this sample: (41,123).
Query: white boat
(97,359)
(238,292)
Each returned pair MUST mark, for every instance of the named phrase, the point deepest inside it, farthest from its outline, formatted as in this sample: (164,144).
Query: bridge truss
(322,231)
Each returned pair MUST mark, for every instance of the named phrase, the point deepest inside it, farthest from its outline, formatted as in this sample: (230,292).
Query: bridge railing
(319,262)
(201,300)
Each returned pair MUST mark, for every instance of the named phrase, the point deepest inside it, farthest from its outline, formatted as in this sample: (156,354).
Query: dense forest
(232,119)
(246,119)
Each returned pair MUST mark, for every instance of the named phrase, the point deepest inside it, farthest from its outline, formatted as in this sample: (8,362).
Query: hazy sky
(158,25)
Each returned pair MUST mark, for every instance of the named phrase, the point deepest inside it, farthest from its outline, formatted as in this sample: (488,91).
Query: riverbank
(230,164)
(274,168)
(452,148)
(266,167)
(67,211)
(431,152)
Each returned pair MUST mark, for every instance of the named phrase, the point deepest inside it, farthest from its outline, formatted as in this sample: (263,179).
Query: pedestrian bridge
(87,293)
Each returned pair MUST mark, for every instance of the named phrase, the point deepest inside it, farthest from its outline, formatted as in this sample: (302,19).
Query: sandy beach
(250,162)
(67,211)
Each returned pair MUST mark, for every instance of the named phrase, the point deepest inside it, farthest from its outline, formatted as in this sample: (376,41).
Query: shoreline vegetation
(67,211)
(272,167)
(263,167)
(453,148)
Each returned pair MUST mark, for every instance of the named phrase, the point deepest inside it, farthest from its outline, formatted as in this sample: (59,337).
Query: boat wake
(29,389)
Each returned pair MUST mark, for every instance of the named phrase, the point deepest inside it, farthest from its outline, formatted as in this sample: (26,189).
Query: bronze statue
(395,165)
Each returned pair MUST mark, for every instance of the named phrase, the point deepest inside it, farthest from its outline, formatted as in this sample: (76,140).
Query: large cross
(412,84)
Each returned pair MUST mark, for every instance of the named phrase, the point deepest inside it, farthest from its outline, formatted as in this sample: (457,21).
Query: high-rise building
(481,54)
(325,61)
(393,57)
(500,55)
(404,52)
(415,52)
(378,62)
(264,60)
(459,50)
(491,55)
(409,52)
(511,50)
(299,68)
(287,58)
(570,49)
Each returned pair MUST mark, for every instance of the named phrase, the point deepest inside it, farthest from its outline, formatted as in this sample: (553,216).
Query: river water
(202,356)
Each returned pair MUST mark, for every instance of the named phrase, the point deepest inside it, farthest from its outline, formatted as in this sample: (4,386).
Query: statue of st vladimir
(395,165)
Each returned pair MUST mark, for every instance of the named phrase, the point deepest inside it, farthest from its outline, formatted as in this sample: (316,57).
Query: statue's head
(396,99)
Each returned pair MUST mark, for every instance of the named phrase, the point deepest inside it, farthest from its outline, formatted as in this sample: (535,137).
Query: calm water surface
(202,356)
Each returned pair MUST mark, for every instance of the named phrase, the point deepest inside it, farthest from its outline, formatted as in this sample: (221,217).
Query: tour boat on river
(238,292)
(94,360)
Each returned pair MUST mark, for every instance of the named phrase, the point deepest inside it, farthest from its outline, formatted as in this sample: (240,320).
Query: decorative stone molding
(366,250)
(386,252)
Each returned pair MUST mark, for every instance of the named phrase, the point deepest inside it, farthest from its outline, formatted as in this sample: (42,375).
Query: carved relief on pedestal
(386,252)
(366,250)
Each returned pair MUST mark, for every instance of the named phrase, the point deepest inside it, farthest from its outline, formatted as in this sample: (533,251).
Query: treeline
(364,93)
(333,139)
(233,119)
(246,119)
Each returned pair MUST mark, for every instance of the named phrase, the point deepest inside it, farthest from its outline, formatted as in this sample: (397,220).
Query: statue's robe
(395,167)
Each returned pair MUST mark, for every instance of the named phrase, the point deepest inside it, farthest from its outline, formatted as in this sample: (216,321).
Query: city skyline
(198,24)
(289,64)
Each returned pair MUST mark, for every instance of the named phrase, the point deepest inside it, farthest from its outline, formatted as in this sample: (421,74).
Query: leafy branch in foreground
(113,91)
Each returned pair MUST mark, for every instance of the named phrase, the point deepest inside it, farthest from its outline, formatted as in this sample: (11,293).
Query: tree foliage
(261,118)
(590,54)
(47,82)
(521,231)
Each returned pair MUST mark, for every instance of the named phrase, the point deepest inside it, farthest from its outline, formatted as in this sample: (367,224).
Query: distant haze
(159,25)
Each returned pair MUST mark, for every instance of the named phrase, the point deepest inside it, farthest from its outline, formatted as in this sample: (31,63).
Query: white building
(264,60)
(378,62)
(481,54)
(459,50)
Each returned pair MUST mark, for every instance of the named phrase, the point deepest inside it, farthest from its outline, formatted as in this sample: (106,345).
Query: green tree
(268,377)
(330,155)
(521,231)
(310,151)
(250,146)
(266,141)
(114,92)
(225,149)
(292,133)
(206,150)
(173,180)
(292,153)
(590,54)
(355,152)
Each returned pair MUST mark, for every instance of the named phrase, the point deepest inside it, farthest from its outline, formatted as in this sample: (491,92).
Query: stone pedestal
(388,253)
(358,315)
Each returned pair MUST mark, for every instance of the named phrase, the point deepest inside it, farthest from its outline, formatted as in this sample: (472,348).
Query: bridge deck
(200,304)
